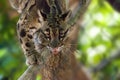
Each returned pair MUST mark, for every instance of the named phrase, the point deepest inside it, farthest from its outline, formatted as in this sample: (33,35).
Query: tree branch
(105,62)
(30,73)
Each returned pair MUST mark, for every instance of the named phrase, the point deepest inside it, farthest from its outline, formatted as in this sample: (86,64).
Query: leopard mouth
(55,50)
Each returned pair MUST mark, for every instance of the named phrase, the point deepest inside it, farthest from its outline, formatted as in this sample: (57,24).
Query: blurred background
(98,48)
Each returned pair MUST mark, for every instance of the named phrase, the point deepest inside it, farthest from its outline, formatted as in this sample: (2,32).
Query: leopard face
(52,34)
(38,31)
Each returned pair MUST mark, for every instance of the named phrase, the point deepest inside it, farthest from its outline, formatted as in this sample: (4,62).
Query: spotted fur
(48,37)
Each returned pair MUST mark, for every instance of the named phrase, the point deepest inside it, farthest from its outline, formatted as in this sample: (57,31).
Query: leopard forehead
(53,24)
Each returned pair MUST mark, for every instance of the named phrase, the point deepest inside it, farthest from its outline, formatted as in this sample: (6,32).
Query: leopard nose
(54,43)
(55,50)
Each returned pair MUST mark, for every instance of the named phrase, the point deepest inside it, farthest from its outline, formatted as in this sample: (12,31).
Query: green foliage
(11,57)
(99,40)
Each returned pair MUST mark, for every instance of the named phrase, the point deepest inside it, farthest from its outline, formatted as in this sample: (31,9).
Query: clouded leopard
(48,36)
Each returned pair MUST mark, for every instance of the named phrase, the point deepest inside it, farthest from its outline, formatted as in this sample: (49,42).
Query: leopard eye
(47,33)
(62,34)
(61,38)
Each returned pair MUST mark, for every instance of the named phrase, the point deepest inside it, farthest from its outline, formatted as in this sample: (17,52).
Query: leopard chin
(55,50)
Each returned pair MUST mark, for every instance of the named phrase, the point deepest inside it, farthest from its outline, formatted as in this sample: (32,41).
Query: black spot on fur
(31,7)
(39,21)
(26,49)
(26,17)
(18,26)
(27,44)
(26,5)
(22,33)
(21,41)
(33,27)
(30,36)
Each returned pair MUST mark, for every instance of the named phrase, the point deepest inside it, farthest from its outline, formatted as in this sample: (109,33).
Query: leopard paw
(31,60)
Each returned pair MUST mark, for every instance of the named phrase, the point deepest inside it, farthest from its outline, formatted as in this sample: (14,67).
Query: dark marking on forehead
(55,31)
(53,22)
(58,7)
(22,33)
(27,44)
(30,36)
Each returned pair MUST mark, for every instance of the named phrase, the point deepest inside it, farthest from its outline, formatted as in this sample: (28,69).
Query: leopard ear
(18,5)
(66,15)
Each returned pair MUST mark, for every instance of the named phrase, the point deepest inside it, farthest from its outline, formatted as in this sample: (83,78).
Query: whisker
(72,44)
(67,49)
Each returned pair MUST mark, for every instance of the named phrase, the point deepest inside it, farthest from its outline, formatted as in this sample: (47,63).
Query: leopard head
(54,32)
